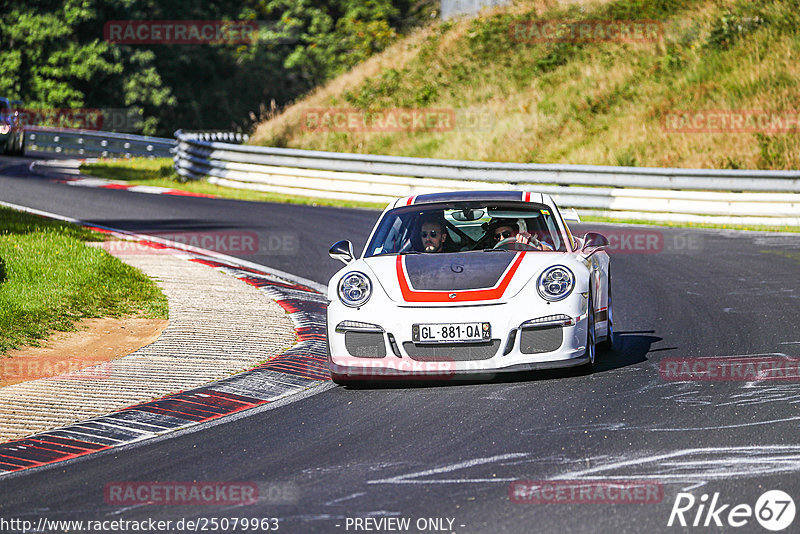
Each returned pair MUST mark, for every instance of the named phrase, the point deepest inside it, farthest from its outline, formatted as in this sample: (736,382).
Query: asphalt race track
(444,456)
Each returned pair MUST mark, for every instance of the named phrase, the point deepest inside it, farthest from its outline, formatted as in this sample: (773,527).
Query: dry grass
(599,103)
(288,123)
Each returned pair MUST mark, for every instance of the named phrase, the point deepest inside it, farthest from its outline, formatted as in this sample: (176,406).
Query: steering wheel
(511,243)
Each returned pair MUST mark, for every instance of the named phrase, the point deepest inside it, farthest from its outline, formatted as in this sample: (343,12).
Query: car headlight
(4,129)
(556,283)
(355,289)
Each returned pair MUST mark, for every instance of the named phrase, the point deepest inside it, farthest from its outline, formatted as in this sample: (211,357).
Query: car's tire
(15,148)
(591,338)
(608,342)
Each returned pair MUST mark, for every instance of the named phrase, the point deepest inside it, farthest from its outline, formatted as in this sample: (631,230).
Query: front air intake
(540,340)
(365,344)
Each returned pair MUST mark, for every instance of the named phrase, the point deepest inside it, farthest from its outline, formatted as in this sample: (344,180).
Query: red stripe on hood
(470,295)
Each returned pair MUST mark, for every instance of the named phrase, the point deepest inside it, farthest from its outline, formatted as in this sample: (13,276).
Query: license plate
(451,332)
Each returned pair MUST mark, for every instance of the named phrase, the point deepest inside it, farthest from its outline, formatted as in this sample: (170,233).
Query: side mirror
(342,251)
(593,240)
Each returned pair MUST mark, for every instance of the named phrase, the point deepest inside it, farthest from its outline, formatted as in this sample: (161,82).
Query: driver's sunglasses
(503,235)
(432,233)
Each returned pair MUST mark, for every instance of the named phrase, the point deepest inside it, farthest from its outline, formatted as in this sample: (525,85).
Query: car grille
(365,344)
(538,340)
(451,351)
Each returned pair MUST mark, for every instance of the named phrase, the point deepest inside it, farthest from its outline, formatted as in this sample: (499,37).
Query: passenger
(506,228)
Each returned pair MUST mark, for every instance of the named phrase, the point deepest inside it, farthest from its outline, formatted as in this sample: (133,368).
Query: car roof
(472,196)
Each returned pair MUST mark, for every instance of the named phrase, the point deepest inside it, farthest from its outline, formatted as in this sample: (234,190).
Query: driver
(432,235)
(505,228)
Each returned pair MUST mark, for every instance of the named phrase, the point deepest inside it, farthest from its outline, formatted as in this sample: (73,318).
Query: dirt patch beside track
(95,341)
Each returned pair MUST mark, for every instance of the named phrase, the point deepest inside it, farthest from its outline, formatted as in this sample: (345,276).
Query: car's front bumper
(387,348)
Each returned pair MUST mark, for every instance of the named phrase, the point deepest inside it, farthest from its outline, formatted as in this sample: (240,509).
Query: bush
(728,28)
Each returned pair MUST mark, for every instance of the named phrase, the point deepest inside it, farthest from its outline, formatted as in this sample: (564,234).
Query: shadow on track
(630,348)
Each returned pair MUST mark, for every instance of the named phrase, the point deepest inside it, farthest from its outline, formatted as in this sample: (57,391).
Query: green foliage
(729,27)
(775,150)
(645,9)
(627,158)
(744,17)
(674,58)
(730,163)
(53,55)
(426,94)
(330,37)
(377,93)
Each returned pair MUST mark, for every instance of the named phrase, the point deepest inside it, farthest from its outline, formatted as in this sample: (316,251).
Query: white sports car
(468,283)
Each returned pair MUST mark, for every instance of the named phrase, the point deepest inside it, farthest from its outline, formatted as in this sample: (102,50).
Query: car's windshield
(463,227)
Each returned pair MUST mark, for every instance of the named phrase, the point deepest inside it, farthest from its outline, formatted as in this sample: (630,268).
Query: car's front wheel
(591,337)
(608,342)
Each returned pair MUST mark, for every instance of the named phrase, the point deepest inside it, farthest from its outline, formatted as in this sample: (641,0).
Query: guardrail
(96,143)
(654,194)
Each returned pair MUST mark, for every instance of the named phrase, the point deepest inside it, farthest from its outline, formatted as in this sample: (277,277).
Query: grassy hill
(603,102)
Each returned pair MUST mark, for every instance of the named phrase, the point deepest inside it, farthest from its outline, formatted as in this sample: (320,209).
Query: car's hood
(463,278)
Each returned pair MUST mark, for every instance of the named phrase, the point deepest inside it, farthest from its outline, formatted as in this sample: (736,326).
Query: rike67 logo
(774,511)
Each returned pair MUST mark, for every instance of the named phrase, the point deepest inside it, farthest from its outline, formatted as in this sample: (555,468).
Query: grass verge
(159,172)
(50,279)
